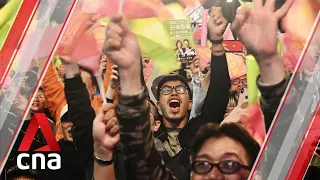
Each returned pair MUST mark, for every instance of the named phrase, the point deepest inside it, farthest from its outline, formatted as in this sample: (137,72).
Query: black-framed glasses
(180,89)
(237,81)
(225,167)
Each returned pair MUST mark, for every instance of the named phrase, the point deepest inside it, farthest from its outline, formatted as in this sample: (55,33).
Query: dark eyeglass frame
(237,81)
(175,88)
(218,165)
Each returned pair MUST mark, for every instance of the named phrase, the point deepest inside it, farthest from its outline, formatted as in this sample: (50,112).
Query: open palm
(257,28)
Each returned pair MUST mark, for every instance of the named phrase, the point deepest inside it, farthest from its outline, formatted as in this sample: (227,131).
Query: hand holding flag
(121,45)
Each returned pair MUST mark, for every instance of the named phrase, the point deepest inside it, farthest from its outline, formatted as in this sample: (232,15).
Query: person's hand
(121,45)
(217,23)
(103,63)
(237,114)
(114,78)
(257,28)
(105,132)
(71,68)
(194,65)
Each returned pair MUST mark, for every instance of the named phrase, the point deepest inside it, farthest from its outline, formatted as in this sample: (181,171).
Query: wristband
(109,100)
(103,162)
(216,41)
(217,51)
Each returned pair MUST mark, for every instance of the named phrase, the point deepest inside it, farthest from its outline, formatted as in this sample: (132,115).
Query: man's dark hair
(173,77)
(186,40)
(14,173)
(93,79)
(231,130)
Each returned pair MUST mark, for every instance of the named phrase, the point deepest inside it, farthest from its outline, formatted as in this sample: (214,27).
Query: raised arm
(216,100)
(257,30)
(106,136)
(80,111)
(142,161)
(53,90)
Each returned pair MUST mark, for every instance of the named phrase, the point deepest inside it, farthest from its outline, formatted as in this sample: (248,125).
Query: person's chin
(34,109)
(70,139)
(175,117)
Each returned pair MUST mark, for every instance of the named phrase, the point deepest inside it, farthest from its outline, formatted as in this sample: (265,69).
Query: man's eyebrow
(230,154)
(225,155)
(205,156)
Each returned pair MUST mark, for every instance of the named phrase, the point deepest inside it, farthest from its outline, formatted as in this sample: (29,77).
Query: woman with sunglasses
(225,152)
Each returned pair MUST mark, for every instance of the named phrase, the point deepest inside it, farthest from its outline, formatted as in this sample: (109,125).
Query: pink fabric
(86,53)
(131,8)
(254,124)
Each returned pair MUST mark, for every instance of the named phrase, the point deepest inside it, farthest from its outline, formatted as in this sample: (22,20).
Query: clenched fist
(105,132)
(121,45)
(217,24)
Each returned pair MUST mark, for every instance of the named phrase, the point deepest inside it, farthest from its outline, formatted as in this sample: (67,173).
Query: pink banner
(204,29)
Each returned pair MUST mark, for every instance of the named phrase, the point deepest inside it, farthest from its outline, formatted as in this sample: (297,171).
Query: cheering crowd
(185,134)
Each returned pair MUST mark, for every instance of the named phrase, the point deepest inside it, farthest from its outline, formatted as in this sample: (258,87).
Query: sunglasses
(237,81)
(165,90)
(225,167)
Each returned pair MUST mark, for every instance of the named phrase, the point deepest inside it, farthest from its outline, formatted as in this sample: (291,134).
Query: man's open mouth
(174,105)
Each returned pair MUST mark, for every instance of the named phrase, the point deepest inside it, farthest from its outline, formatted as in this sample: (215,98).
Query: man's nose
(215,174)
(174,91)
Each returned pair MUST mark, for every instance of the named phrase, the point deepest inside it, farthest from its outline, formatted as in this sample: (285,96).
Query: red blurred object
(233,46)
(131,8)
(86,53)
(254,124)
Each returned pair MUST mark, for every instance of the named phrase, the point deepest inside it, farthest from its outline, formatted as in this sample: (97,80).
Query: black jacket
(72,168)
(212,110)
(82,115)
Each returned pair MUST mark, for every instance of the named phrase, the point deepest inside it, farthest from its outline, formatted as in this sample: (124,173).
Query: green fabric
(249,4)
(154,40)
(252,74)
(7,14)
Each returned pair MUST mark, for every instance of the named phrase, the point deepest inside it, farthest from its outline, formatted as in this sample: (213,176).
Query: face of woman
(179,44)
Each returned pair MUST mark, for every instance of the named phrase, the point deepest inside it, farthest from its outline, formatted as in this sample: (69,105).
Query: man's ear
(190,104)
(157,126)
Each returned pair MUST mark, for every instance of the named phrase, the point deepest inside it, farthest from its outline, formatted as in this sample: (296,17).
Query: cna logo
(43,156)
